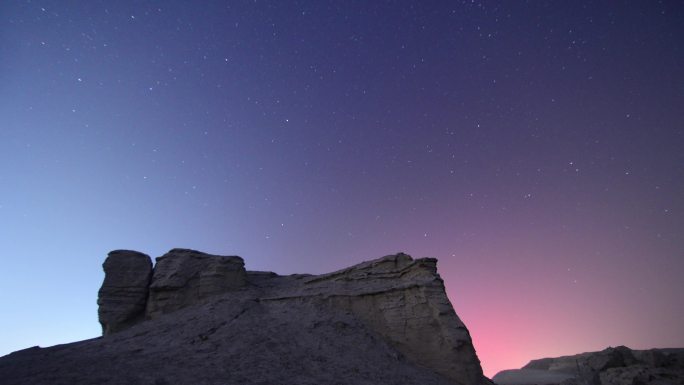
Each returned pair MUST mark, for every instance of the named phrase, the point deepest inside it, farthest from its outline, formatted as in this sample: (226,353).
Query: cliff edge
(204,319)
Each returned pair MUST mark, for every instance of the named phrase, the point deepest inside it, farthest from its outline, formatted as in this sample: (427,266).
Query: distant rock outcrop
(612,366)
(205,319)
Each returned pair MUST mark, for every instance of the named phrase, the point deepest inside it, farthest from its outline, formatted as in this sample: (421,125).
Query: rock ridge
(393,309)
(612,366)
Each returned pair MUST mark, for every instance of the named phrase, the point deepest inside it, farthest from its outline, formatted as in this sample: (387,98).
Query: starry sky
(535,148)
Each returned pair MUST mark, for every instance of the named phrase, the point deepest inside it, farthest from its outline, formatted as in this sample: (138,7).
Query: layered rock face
(123,295)
(184,277)
(612,366)
(404,301)
(132,291)
(201,318)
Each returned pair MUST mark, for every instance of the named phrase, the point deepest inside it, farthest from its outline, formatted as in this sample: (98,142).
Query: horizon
(534,149)
(485,365)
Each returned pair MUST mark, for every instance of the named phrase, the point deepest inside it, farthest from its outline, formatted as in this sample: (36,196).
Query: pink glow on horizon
(526,315)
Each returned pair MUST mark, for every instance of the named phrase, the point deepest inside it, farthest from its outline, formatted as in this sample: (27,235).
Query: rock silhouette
(198,318)
(612,366)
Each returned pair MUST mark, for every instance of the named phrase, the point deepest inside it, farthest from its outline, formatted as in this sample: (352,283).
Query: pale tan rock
(123,295)
(404,300)
(184,277)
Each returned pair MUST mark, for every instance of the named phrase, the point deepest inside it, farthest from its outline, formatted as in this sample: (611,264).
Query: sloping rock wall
(404,301)
(230,341)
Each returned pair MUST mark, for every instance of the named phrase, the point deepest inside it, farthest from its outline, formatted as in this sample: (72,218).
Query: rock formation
(185,277)
(612,366)
(404,301)
(204,319)
(124,292)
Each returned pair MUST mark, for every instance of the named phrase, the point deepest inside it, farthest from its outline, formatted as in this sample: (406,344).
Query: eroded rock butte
(204,317)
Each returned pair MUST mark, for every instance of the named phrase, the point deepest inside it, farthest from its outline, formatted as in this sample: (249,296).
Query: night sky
(535,148)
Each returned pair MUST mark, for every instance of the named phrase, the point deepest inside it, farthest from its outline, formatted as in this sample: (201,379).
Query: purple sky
(535,148)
